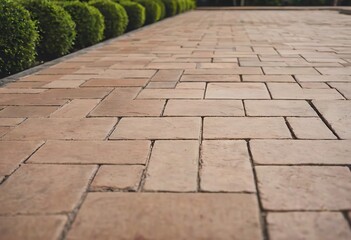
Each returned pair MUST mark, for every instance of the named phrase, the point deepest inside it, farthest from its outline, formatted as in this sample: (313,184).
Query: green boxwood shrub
(136,14)
(163,8)
(116,18)
(180,6)
(153,10)
(171,7)
(18,38)
(56,28)
(89,23)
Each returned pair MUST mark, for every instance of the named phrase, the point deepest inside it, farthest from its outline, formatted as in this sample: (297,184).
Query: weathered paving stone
(344,88)
(338,115)
(173,167)
(210,78)
(167,76)
(10,122)
(268,78)
(134,216)
(244,127)
(301,151)
(64,84)
(231,71)
(204,108)
(162,85)
(13,153)
(128,82)
(308,225)
(310,128)
(237,91)
(62,128)
(32,227)
(323,78)
(52,188)
(273,108)
(290,70)
(4,130)
(27,111)
(30,100)
(226,167)
(117,178)
(77,93)
(304,187)
(335,71)
(93,152)
(171,94)
(158,128)
(77,108)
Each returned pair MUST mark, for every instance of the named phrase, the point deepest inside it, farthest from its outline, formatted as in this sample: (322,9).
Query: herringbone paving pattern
(209,125)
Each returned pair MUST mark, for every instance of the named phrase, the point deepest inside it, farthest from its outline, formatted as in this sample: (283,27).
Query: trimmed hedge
(56,28)
(163,8)
(89,23)
(136,14)
(171,7)
(116,18)
(153,10)
(18,38)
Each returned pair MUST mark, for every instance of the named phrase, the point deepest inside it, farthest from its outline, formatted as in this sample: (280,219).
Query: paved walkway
(228,125)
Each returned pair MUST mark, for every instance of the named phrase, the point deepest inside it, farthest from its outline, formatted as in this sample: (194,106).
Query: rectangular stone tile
(10,122)
(217,65)
(115,82)
(32,227)
(335,71)
(289,70)
(310,128)
(62,128)
(123,94)
(304,187)
(130,215)
(123,108)
(161,85)
(20,90)
(301,151)
(78,93)
(323,78)
(210,78)
(40,78)
(308,225)
(278,108)
(237,91)
(245,127)
(237,70)
(226,167)
(158,128)
(13,153)
(113,73)
(191,85)
(167,76)
(268,78)
(225,60)
(171,94)
(30,100)
(294,91)
(27,111)
(171,65)
(64,84)
(117,178)
(93,152)
(204,108)
(77,108)
(344,88)
(23,84)
(312,85)
(173,167)
(52,189)
(338,115)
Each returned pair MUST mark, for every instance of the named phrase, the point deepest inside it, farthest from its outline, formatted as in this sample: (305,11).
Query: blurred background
(274,2)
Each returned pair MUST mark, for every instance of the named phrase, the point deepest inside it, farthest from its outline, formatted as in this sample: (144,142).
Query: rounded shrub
(89,23)
(116,18)
(18,38)
(171,7)
(153,10)
(56,28)
(181,6)
(162,7)
(136,14)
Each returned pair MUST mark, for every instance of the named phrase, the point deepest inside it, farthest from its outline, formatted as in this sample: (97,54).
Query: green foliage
(17,40)
(116,18)
(136,14)
(56,28)
(181,6)
(266,2)
(89,23)
(163,8)
(153,10)
(171,7)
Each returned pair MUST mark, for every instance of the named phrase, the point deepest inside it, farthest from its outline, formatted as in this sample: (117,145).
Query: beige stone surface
(117,178)
(310,128)
(230,71)
(10,122)
(204,108)
(210,78)
(162,85)
(304,188)
(244,127)
(4,130)
(338,115)
(290,70)
(158,128)
(27,111)
(173,167)
(308,225)
(259,108)
(128,82)
(171,94)
(301,151)
(77,108)
(62,128)
(268,78)
(64,84)
(93,152)
(32,227)
(344,88)
(226,167)
(77,93)
(237,91)
(323,78)
(52,189)
(167,76)
(178,216)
